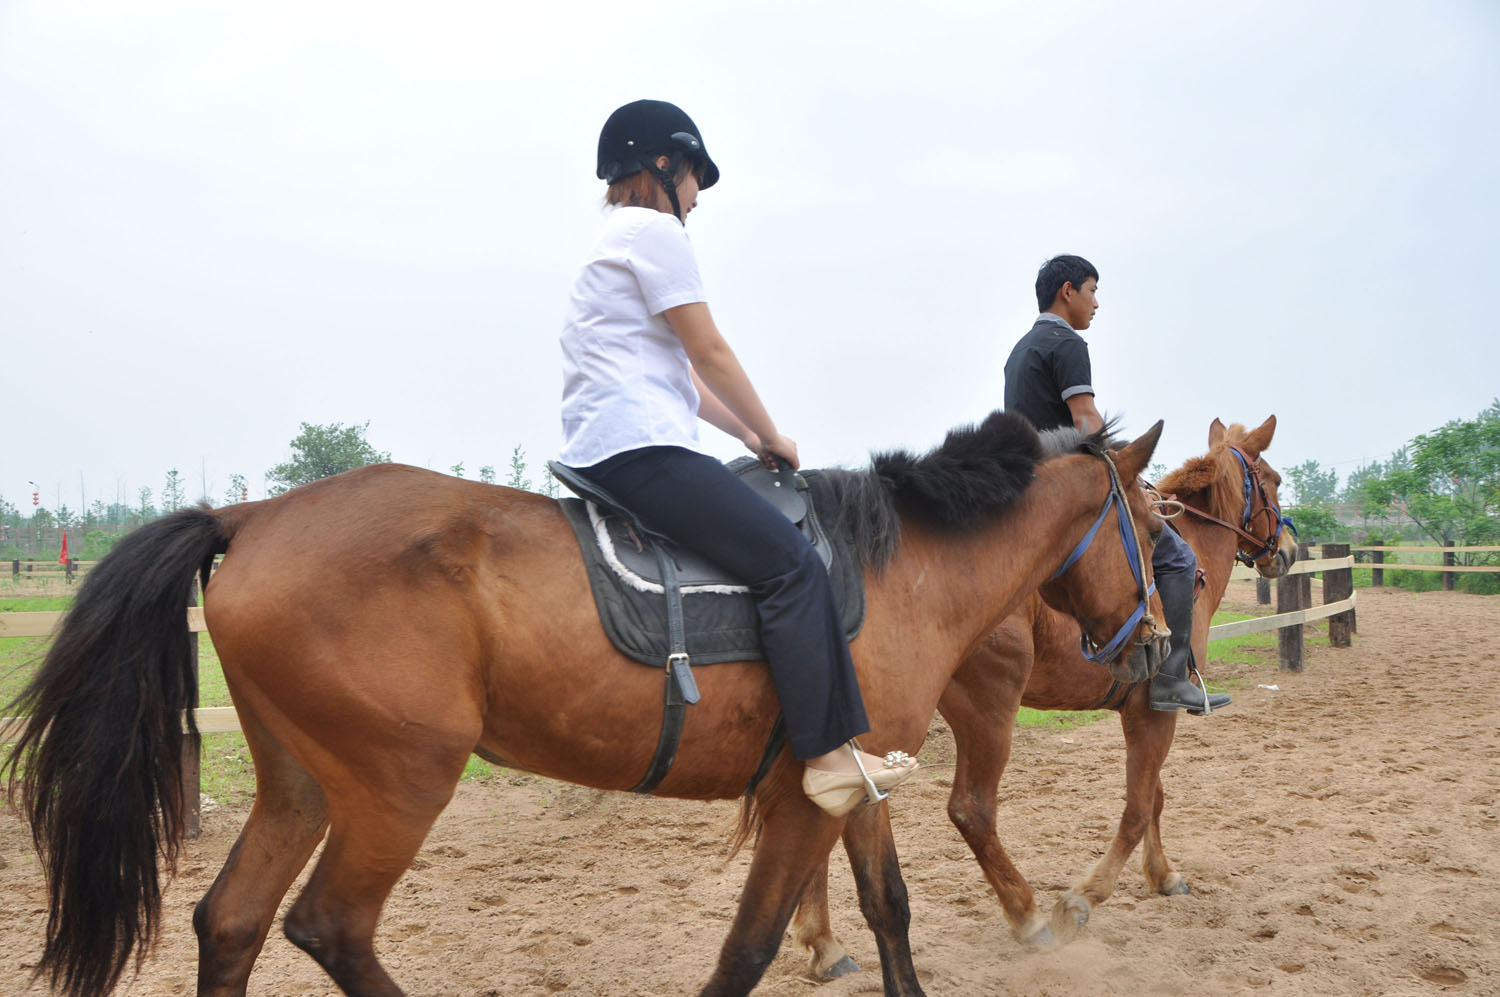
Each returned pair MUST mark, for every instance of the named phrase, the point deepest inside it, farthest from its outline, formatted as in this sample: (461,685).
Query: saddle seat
(625,542)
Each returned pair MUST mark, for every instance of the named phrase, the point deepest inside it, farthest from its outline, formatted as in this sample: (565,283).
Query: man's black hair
(1058,271)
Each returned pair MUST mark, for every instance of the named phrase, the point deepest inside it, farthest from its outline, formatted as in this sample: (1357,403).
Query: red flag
(63,557)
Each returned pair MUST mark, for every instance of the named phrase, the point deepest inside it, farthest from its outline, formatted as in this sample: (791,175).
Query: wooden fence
(1378,563)
(48,569)
(1294,606)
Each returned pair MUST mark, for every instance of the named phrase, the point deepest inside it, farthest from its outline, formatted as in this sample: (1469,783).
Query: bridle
(1107,653)
(1261,548)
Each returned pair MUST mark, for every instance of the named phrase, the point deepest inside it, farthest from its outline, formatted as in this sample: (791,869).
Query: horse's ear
(1215,433)
(1134,459)
(1258,440)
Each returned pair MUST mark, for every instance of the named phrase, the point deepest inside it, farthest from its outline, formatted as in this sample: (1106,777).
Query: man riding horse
(1048,379)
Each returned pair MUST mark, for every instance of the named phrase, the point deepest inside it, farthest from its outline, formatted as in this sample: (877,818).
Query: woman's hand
(779,446)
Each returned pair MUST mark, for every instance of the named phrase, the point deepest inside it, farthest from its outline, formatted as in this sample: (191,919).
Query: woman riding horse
(642,361)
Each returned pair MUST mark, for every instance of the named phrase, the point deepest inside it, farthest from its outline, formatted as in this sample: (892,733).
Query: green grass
(1058,719)
(34,603)
(1244,650)
(1250,649)
(19,657)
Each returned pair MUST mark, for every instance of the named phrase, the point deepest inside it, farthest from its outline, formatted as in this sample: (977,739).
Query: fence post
(15,568)
(1447,563)
(68,571)
(1338,584)
(1377,573)
(192,815)
(1289,639)
(1262,590)
(1304,553)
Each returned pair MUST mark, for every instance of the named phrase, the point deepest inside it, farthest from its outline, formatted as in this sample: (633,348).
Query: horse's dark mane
(1064,440)
(976,473)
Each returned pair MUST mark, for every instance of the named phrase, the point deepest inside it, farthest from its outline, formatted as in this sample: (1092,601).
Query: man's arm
(1086,417)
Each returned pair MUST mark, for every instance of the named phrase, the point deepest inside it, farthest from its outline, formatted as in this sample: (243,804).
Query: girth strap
(773,748)
(681,690)
(1114,687)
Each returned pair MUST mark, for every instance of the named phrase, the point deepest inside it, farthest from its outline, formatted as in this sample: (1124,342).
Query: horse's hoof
(1070,915)
(1175,887)
(843,967)
(1040,940)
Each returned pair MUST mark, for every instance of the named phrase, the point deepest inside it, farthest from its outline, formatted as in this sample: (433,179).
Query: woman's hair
(641,190)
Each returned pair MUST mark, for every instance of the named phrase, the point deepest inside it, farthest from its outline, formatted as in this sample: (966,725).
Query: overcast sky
(220,220)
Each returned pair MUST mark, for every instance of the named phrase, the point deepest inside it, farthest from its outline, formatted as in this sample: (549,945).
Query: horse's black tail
(99,763)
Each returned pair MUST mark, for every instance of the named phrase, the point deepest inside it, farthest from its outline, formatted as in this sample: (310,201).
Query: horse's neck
(1215,547)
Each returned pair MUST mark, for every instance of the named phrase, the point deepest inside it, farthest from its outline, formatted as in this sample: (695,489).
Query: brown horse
(377,627)
(1033,659)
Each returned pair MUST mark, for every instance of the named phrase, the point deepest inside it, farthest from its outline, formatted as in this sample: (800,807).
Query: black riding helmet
(640,131)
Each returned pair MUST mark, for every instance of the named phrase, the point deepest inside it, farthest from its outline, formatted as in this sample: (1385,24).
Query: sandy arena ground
(1341,836)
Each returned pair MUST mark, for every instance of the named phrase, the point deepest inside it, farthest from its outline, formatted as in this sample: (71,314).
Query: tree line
(318,451)
(1442,486)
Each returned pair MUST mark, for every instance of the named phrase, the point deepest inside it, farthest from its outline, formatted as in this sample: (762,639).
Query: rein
(1263,547)
(1133,554)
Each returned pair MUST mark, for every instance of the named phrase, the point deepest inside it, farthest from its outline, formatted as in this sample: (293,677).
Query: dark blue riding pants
(1173,556)
(695,501)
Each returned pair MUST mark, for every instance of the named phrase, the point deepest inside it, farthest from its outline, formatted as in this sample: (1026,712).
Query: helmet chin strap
(668,180)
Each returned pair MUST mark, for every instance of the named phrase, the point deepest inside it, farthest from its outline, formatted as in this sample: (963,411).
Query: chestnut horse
(1033,659)
(377,627)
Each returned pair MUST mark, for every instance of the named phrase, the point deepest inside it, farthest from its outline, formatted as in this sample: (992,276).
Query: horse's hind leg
(285,826)
(1148,738)
(882,895)
(1159,872)
(377,822)
(796,837)
(812,930)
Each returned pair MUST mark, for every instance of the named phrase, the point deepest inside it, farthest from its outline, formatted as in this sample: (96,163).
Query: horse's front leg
(882,895)
(1148,738)
(813,931)
(980,706)
(795,839)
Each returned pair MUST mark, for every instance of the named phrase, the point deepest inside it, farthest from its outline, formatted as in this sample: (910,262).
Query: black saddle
(627,544)
(666,606)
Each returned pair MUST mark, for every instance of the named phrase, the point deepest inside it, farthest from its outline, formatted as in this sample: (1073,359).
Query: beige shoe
(840,792)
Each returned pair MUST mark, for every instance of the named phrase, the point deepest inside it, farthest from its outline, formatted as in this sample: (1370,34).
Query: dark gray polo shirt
(1048,366)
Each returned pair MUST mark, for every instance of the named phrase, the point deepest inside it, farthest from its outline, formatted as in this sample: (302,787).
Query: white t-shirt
(627,381)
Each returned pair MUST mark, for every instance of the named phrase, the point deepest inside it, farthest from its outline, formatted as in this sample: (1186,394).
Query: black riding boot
(1170,688)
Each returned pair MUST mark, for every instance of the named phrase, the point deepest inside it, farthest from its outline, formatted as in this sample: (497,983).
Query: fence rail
(1431,550)
(1293,617)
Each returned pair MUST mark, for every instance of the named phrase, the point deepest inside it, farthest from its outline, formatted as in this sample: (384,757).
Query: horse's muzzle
(1144,660)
